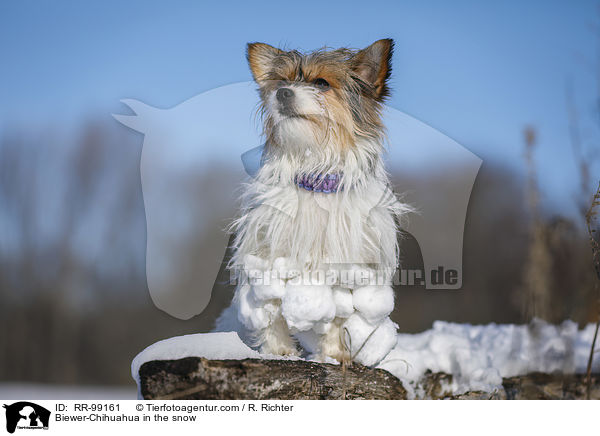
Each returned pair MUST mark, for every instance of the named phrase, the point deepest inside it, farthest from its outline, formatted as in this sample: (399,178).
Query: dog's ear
(260,57)
(374,65)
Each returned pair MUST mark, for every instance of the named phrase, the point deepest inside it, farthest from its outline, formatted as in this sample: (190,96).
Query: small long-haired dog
(319,203)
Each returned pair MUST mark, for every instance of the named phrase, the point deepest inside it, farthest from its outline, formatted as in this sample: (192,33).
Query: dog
(319,206)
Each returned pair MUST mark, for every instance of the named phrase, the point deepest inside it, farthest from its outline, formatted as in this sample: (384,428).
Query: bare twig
(588,380)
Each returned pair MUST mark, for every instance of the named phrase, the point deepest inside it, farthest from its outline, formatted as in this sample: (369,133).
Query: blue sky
(477,71)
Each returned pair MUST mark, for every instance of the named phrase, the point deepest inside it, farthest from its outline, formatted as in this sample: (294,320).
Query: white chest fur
(356,226)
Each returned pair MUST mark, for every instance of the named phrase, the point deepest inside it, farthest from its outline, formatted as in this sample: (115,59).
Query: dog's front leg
(276,339)
(332,343)
(259,310)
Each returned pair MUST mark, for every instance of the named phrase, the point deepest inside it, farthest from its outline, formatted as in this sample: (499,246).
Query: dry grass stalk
(539,262)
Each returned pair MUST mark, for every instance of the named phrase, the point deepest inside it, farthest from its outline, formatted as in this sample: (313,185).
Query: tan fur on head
(337,116)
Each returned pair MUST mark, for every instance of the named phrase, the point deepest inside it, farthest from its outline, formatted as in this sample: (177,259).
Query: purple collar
(327,184)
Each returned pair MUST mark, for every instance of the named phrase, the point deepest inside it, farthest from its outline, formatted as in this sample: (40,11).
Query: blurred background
(517,83)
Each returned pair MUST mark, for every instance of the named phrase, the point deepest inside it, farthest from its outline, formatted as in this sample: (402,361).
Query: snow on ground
(478,356)
(34,391)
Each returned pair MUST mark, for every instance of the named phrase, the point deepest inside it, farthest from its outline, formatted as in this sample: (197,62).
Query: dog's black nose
(284,95)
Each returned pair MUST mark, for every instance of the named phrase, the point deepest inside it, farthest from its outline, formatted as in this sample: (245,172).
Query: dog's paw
(279,349)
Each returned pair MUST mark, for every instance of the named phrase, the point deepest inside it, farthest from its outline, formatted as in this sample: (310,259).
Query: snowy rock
(303,306)
(373,302)
(194,378)
(369,344)
(343,302)
(479,356)
(475,357)
(209,345)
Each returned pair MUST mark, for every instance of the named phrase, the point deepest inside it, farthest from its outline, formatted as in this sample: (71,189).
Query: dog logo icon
(26,415)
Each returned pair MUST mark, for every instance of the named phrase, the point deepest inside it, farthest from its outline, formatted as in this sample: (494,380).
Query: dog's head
(327,101)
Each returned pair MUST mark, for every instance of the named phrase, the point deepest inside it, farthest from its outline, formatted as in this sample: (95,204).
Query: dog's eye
(321,84)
